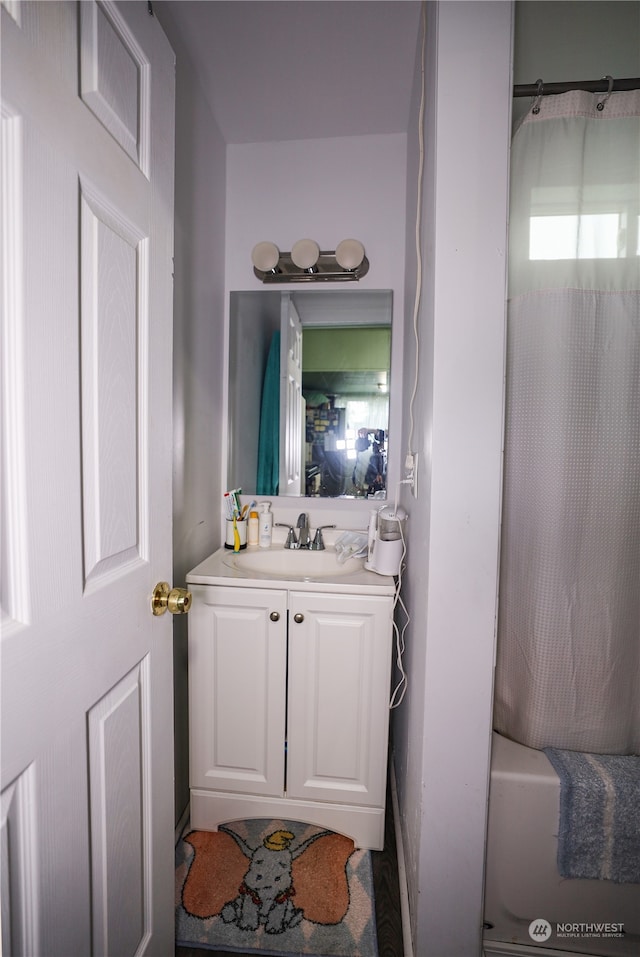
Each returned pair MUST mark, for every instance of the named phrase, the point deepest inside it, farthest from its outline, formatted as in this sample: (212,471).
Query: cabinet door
(237,689)
(339,675)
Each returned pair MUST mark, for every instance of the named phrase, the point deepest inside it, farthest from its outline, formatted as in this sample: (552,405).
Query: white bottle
(266,525)
(253,528)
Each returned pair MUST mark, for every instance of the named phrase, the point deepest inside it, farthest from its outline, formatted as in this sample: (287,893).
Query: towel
(599,832)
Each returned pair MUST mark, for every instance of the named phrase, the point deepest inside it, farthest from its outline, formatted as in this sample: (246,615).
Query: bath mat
(274,888)
(599,831)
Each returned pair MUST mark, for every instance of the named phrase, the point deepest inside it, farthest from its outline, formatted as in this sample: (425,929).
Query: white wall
(327,190)
(442,733)
(197,357)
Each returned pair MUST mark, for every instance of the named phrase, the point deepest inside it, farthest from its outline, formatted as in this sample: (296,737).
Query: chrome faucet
(304,538)
(303,525)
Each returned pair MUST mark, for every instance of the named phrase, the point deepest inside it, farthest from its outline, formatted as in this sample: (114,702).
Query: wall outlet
(411,472)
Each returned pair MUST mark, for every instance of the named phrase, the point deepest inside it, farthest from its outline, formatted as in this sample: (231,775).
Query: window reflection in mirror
(327,435)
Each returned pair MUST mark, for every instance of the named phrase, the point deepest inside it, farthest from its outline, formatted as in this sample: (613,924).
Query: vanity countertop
(224,567)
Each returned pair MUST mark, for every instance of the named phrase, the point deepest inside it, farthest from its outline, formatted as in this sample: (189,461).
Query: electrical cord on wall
(401,687)
(410,458)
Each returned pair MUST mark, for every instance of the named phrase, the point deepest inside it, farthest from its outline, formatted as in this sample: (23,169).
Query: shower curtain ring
(539,94)
(602,102)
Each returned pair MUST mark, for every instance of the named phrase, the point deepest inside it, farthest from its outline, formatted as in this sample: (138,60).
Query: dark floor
(387,895)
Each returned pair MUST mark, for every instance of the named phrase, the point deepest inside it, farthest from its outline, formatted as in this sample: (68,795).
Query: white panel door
(291,400)
(338,694)
(87,244)
(237,689)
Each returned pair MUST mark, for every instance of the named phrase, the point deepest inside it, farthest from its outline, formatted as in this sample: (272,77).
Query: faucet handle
(292,541)
(317,545)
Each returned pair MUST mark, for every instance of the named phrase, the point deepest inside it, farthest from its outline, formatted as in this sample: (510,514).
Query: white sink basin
(291,563)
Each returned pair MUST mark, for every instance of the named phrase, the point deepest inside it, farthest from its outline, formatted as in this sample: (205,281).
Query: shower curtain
(268,477)
(568,663)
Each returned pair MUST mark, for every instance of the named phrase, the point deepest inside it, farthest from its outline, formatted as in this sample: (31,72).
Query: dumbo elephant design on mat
(275,883)
(267,891)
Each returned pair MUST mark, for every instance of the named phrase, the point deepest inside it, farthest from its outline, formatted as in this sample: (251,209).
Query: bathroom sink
(289,563)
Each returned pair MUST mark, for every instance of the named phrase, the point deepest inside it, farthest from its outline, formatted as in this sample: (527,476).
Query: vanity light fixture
(305,254)
(350,254)
(308,263)
(265,257)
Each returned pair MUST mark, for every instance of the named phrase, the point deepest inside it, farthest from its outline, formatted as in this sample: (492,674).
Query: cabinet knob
(298,617)
(275,616)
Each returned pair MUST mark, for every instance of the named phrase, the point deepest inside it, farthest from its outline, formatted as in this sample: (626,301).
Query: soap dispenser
(266,525)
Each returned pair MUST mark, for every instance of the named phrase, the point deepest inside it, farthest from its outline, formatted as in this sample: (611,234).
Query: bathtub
(522,880)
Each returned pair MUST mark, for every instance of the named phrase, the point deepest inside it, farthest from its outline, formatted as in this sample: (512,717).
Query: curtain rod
(590,86)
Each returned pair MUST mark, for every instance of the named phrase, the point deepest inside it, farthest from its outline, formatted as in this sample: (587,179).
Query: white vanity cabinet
(289,706)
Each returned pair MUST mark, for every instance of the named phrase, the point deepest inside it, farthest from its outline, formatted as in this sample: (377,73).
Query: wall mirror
(309,377)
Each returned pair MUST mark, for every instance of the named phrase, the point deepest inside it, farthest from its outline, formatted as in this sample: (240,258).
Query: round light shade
(349,253)
(265,256)
(305,253)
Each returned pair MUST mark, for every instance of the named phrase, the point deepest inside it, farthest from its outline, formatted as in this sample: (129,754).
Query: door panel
(114,79)
(19,832)
(118,732)
(87,233)
(112,322)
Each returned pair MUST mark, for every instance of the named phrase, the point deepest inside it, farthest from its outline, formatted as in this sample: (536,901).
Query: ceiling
(300,69)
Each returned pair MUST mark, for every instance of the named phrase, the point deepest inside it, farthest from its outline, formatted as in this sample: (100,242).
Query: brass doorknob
(175,600)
